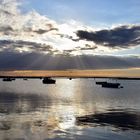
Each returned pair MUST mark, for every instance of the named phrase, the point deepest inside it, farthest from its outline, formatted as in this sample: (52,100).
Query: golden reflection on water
(29,119)
(52,112)
(66,88)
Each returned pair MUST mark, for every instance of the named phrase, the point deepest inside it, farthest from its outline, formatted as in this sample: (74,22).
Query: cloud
(23,24)
(86,47)
(5,30)
(38,61)
(32,27)
(41,31)
(20,46)
(33,32)
(118,37)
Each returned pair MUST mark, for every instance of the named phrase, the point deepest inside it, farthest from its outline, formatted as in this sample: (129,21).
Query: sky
(39,33)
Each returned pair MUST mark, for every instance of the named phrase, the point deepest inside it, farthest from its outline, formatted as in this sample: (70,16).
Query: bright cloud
(33,32)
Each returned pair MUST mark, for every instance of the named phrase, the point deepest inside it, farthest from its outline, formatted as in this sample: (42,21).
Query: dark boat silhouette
(105,84)
(111,85)
(48,81)
(8,79)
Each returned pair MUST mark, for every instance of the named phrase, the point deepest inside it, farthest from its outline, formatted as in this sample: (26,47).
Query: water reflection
(119,119)
(34,116)
(19,103)
(62,111)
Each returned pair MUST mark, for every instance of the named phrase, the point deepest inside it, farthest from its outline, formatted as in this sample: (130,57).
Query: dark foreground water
(76,109)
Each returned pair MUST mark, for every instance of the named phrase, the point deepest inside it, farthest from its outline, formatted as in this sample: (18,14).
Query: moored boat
(47,80)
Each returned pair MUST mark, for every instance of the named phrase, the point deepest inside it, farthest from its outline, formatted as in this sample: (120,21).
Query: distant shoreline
(128,74)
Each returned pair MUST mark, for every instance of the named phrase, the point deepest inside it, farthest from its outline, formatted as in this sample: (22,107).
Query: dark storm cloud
(123,36)
(14,46)
(37,61)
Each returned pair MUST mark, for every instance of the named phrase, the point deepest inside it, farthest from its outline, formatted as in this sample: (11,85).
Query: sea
(76,109)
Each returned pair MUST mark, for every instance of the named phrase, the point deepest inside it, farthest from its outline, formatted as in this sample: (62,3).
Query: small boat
(47,80)
(111,85)
(8,79)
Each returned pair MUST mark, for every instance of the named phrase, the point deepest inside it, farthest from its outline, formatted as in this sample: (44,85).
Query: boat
(111,85)
(8,79)
(47,80)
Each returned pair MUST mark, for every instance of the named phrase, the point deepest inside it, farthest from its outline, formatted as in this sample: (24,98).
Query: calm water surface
(76,109)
